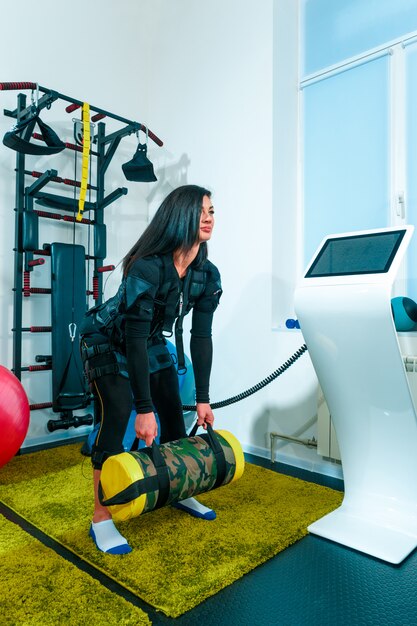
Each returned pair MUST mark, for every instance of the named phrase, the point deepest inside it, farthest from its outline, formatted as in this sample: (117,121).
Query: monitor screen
(370,253)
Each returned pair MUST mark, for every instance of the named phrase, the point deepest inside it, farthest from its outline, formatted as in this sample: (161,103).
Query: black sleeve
(138,317)
(201,347)
(137,333)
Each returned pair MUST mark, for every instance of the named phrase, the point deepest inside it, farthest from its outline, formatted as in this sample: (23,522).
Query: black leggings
(115,403)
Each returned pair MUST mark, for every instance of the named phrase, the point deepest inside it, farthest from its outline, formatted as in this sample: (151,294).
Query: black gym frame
(69,389)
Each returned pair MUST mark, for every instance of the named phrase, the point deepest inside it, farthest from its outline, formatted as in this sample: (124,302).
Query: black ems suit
(124,350)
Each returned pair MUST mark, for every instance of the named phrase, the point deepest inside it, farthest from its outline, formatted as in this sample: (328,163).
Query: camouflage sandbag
(133,483)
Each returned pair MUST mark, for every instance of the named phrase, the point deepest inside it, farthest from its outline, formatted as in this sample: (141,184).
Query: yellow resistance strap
(85,158)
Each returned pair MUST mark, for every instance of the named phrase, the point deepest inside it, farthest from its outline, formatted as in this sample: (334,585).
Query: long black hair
(175,226)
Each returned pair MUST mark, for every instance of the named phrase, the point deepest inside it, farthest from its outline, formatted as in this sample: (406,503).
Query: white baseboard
(320,466)
(56,437)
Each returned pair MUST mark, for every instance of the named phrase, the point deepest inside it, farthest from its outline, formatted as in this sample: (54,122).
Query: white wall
(212,94)
(203,76)
(92,52)
(212,98)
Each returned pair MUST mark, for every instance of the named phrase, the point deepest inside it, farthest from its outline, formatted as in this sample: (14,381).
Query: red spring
(36,262)
(95,287)
(72,107)
(105,268)
(56,179)
(40,329)
(97,117)
(51,216)
(41,405)
(26,284)
(12,86)
(39,368)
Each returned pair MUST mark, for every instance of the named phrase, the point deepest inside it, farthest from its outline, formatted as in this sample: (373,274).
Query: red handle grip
(13,86)
(71,183)
(55,179)
(70,218)
(98,116)
(105,268)
(73,146)
(39,368)
(40,329)
(72,107)
(152,136)
(40,405)
(36,262)
(74,183)
(48,215)
(40,290)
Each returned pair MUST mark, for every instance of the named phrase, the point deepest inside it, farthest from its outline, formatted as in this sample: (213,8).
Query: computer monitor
(369,253)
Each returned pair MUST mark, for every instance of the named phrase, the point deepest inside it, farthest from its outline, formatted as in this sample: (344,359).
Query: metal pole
(18,253)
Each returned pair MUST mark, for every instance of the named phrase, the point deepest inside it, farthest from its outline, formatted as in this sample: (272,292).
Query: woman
(165,275)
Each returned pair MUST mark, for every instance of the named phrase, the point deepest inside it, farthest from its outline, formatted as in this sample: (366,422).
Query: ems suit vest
(156,278)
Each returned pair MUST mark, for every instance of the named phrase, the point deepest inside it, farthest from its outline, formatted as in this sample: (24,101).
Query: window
(346,152)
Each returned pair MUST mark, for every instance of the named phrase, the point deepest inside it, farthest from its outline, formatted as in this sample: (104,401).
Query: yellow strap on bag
(85,160)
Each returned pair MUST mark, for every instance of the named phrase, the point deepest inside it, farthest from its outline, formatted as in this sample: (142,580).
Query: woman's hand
(204,415)
(146,427)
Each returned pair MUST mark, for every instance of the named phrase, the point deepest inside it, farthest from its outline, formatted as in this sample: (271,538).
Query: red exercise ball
(14,415)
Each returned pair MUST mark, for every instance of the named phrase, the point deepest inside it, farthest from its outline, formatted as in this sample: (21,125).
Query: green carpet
(38,587)
(178,561)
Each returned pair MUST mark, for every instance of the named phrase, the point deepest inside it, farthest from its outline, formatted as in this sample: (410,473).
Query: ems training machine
(136,482)
(69,289)
(344,307)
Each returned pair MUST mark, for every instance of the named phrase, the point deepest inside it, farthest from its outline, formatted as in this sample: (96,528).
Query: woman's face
(206,220)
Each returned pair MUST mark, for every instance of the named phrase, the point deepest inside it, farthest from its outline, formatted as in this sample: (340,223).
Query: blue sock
(191,506)
(108,539)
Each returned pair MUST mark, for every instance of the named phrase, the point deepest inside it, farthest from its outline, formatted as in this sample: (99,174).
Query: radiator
(327,445)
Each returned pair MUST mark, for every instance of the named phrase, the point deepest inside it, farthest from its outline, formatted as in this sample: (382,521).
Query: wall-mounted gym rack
(68,290)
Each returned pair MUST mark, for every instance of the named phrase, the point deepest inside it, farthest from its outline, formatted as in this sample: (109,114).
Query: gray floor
(315,583)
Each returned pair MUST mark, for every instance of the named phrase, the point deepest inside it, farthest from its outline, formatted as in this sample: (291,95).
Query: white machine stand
(344,308)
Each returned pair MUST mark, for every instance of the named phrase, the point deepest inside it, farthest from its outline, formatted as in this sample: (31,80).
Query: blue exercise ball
(187,392)
(404,312)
